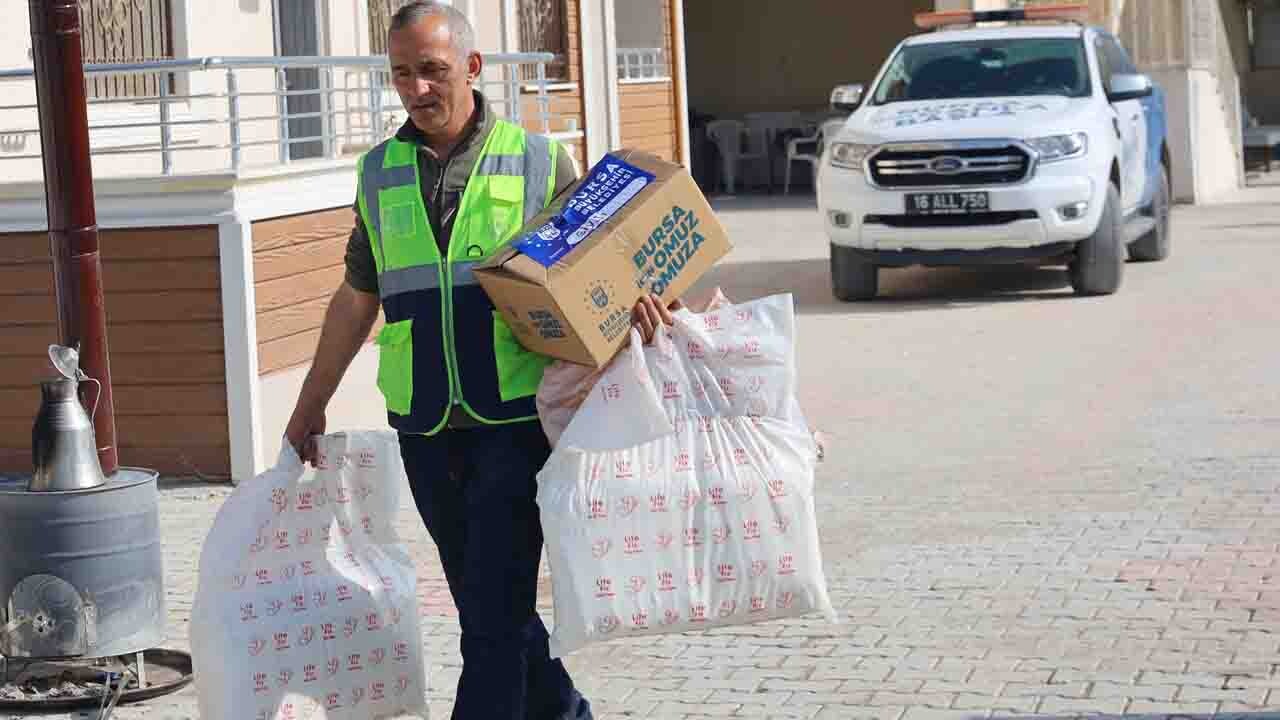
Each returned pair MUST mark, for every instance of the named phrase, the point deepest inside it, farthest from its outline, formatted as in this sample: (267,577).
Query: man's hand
(649,314)
(304,426)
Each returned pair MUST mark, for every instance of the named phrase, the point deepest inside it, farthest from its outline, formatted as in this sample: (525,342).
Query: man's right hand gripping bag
(680,497)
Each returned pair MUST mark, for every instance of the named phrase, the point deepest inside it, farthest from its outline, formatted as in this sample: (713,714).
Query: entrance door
(298,34)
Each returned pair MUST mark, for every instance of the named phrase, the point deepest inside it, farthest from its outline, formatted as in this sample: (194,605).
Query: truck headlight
(1053,148)
(850,155)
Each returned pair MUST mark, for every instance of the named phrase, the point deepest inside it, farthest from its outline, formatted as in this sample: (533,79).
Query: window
(544,27)
(643,48)
(120,31)
(986,68)
(380,12)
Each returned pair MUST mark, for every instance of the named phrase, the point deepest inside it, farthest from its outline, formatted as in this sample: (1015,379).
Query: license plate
(947,203)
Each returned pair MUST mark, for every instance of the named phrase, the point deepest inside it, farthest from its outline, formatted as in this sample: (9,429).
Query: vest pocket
(519,370)
(395,365)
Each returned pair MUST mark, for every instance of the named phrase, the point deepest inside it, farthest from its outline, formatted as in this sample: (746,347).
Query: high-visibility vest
(444,344)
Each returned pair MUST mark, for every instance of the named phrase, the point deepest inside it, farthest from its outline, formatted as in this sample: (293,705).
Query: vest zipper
(450,356)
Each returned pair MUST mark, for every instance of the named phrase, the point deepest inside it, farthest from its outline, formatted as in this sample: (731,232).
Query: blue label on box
(611,184)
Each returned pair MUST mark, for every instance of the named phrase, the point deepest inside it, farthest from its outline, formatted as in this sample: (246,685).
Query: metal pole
(329,120)
(166,133)
(233,118)
(73,224)
(282,87)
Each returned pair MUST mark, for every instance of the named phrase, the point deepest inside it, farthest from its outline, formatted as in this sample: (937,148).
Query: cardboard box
(567,281)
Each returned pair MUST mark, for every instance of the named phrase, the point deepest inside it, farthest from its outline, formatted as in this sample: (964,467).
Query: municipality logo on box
(611,184)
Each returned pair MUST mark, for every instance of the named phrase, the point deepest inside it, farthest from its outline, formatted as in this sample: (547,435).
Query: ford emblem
(947,165)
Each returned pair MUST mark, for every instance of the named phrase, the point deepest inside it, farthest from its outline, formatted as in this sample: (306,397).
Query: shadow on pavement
(901,289)
(755,202)
(1171,715)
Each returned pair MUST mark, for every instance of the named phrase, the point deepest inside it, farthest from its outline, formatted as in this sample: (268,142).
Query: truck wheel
(1155,244)
(1098,265)
(851,277)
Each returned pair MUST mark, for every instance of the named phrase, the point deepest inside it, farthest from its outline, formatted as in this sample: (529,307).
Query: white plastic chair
(736,146)
(819,138)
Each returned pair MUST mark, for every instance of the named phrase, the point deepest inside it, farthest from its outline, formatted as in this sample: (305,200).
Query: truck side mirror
(1129,86)
(847,98)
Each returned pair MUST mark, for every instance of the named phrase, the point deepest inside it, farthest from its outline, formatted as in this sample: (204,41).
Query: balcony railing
(236,113)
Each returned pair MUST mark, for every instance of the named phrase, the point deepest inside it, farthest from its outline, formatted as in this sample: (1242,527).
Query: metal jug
(63,447)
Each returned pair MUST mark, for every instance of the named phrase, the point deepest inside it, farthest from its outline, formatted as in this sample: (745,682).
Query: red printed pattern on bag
(604,588)
(786,564)
(628,505)
(633,545)
(666,581)
(683,462)
(698,612)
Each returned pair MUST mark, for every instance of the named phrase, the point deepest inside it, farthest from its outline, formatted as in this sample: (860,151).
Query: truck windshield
(986,68)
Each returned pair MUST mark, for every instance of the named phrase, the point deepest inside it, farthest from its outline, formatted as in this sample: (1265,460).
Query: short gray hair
(462,35)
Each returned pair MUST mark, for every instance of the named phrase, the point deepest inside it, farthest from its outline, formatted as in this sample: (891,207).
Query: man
(448,189)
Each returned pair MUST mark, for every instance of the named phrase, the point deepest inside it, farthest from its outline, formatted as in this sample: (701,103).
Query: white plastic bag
(680,497)
(306,607)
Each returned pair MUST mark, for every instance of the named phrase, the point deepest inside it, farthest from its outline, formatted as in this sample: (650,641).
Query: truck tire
(1098,266)
(1155,244)
(852,278)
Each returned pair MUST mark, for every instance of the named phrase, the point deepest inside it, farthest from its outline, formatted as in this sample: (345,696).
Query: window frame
(129,46)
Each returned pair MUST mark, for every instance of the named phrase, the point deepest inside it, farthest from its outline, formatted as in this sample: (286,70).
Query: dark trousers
(475,489)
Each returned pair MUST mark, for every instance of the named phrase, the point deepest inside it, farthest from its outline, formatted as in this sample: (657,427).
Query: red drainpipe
(68,187)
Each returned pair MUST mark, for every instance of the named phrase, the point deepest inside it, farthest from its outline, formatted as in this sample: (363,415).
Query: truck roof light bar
(1068,12)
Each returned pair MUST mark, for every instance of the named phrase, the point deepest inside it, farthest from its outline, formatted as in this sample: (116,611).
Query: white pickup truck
(1016,143)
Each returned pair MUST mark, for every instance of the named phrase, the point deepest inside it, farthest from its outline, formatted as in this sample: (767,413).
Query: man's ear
(475,65)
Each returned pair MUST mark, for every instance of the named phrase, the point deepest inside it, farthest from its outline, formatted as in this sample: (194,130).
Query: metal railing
(643,64)
(262,111)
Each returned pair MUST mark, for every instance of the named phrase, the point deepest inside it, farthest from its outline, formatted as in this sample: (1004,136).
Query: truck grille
(1000,163)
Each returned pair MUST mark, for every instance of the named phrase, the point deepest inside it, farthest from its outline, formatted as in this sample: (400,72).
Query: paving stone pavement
(1055,551)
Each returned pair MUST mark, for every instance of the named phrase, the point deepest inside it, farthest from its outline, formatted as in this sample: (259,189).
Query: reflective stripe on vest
(470,358)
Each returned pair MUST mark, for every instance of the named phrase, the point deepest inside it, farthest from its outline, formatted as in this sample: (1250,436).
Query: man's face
(433,80)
